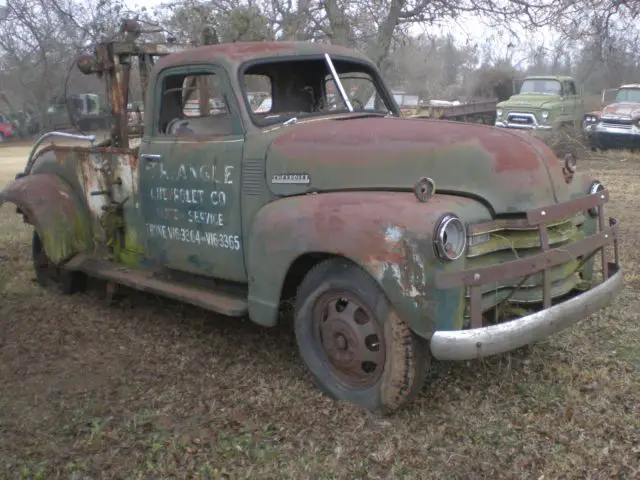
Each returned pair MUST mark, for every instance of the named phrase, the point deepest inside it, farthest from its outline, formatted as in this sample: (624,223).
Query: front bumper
(534,125)
(610,139)
(495,339)
(504,337)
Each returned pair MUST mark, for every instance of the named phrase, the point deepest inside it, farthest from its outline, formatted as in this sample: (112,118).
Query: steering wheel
(173,123)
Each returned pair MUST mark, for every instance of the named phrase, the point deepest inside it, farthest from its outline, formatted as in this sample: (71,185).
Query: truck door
(189,174)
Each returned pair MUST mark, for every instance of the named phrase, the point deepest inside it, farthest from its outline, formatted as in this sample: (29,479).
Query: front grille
(521,118)
(617,121)
(505,245)
(611,124)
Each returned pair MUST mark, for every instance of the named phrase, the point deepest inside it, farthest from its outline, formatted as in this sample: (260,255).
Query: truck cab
(544,103)
(398,240)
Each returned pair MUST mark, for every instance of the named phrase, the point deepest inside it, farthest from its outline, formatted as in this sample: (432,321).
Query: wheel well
(297,271)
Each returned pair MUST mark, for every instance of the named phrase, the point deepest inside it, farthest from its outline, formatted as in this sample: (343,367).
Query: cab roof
(234,54)
(631,85)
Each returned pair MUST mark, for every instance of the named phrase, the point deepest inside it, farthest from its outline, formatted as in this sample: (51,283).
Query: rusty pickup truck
(401,240)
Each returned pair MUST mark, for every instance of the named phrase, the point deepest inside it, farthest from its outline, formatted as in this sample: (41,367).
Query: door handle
(151,157)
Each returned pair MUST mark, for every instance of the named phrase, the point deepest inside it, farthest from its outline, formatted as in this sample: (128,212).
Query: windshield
(302,87)
(541,86)
(628,95)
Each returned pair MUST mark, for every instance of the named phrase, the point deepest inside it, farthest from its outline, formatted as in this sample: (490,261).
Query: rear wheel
(51,276)
(353,342)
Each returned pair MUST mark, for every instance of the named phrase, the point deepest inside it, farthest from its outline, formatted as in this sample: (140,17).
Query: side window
(194,104)
(571,88)
(258,89)
(92,105)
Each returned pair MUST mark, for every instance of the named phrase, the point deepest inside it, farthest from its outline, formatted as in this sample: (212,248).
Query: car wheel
(51,276)
(353,342)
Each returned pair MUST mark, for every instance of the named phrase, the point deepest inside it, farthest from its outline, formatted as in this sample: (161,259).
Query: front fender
(388,234)
(51,206)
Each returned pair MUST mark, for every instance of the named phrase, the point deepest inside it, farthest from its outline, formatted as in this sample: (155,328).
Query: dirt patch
(148,388)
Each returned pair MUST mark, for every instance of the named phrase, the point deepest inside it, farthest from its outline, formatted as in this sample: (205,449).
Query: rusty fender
(388,234)
(51,206)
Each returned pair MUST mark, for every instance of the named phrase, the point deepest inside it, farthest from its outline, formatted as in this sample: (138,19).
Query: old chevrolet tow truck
(401,239)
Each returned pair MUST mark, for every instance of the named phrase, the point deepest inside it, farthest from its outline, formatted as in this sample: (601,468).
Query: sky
(467,28)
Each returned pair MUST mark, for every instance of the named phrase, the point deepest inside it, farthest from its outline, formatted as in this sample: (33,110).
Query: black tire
(401,357)
(51,277)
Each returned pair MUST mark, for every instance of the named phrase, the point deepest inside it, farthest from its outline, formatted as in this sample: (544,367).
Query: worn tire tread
(407,354)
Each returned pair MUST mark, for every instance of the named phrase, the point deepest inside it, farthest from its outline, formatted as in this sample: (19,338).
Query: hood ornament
(424,189)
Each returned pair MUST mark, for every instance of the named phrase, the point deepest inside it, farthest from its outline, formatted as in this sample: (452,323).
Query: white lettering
(168,213)
(177,195)
(205,218)
(195,237)
(202,173)
(218,198)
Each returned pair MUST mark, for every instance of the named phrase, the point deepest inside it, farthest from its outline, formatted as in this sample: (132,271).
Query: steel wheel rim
(349,338)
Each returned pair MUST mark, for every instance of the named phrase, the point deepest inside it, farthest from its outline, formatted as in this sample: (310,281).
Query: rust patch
(362,140)
(240,52)
(51,206)
(510,172)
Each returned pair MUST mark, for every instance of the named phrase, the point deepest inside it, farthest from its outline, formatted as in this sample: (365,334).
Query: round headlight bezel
(596,186)
(499,112)
(450,238)
(545,114)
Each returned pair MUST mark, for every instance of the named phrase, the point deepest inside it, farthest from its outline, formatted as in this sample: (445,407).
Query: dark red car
(6,128)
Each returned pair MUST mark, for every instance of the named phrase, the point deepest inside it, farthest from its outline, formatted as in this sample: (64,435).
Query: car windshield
(541,86)
(628,95)
(304,87)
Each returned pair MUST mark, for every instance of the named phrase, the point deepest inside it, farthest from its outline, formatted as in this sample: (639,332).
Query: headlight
(450,238)
(499,112)
(595,187)
(545,114)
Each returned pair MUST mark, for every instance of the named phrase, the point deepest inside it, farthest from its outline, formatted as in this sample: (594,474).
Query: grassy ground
(148,388)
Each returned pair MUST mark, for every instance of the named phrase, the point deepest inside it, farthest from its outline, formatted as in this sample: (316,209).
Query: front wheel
(51,276)
(352,341)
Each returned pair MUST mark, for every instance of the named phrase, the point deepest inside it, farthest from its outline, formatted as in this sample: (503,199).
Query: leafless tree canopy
(596,40)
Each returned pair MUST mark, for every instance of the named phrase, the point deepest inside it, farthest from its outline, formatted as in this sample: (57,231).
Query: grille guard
(473,279)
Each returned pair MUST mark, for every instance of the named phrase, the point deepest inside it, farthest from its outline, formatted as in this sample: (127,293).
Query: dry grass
(148,388)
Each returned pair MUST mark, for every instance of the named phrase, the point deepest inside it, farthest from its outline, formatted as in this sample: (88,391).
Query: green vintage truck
(401,240)
(544,103)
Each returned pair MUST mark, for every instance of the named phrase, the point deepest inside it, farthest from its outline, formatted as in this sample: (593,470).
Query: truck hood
(531,101)
(509,171)
(622,109)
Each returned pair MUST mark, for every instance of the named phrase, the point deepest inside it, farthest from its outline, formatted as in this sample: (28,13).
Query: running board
(215,301)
